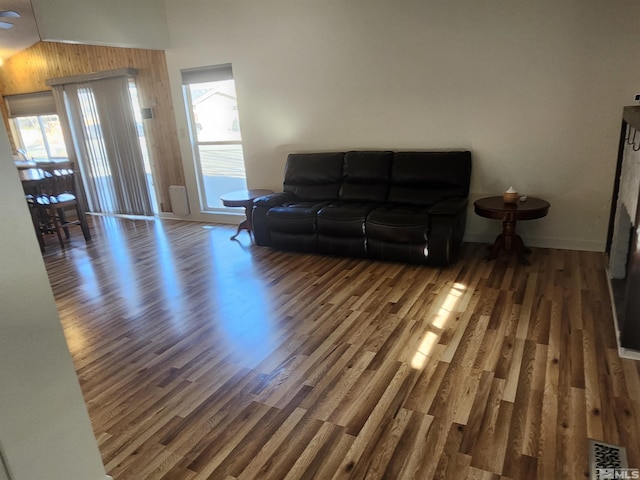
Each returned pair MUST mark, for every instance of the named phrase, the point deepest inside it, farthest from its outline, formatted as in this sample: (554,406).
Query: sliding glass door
(100,118)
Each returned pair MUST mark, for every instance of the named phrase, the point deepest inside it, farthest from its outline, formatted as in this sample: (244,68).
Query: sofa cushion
(344,219)
(294,217)
(398,223)
(424,178)
(366,176)
(314,176)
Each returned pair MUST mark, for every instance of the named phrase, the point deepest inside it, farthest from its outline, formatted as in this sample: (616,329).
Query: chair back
(60,184)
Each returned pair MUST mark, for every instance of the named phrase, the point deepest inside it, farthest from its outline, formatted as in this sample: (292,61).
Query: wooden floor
(205,358)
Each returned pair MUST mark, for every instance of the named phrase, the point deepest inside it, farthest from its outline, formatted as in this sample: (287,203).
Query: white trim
(542,242)
(231,218)
(627,353)
(123,215)
(90,77)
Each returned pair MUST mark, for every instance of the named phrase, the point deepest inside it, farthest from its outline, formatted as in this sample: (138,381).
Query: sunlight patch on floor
(431,337)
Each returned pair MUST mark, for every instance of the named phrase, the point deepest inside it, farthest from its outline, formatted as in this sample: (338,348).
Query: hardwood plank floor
(205,358)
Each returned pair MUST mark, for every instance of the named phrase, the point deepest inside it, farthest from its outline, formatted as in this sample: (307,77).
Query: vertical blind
(102,130)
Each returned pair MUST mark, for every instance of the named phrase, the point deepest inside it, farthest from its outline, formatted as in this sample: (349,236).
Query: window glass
(215,127)
(215,111)
(40,137)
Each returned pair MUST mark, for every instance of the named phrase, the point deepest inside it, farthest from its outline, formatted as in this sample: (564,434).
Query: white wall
(534,89)
(120,23)
(45,431)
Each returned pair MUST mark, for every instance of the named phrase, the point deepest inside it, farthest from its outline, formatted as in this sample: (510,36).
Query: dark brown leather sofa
(398,206)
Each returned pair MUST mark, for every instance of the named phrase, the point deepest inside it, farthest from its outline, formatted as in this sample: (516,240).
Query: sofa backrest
(366,176)
(314,176)
(417,178)
(424,178)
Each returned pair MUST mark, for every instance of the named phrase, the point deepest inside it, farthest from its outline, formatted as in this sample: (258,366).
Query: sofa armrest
(274,199)
(261,207)
(449,206)
(447,223)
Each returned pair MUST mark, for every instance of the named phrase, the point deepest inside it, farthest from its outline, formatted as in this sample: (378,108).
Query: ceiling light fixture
(8,14)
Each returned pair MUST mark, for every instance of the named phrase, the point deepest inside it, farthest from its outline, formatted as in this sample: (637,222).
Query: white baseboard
(231,218)
(541,242)
(630,354)
(108,477)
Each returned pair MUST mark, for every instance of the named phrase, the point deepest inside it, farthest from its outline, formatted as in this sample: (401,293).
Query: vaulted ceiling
(24,32)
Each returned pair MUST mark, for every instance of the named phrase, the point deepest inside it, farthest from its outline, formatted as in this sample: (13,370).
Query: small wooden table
(243,198)
(510,213)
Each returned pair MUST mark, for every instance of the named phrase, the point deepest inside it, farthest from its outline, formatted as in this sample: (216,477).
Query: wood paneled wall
(27,71)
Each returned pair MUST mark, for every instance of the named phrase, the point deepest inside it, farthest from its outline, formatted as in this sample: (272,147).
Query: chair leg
(57,226)
(83,223)
(63,221)
(35,218)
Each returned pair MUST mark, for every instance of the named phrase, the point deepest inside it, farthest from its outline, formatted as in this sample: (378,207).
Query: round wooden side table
(244,198)
(510,213)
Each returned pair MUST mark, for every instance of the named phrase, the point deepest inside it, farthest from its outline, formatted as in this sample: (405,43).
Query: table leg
(521,250)
(243,225)
(246,223)
(508,240)
(494,249)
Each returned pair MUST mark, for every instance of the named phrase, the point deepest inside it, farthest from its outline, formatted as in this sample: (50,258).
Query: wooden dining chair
(33,184)
(38,217)
(58,194)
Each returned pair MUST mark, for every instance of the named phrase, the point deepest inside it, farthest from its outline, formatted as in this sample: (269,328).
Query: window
(210,97)
(39,137)
(35,126)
